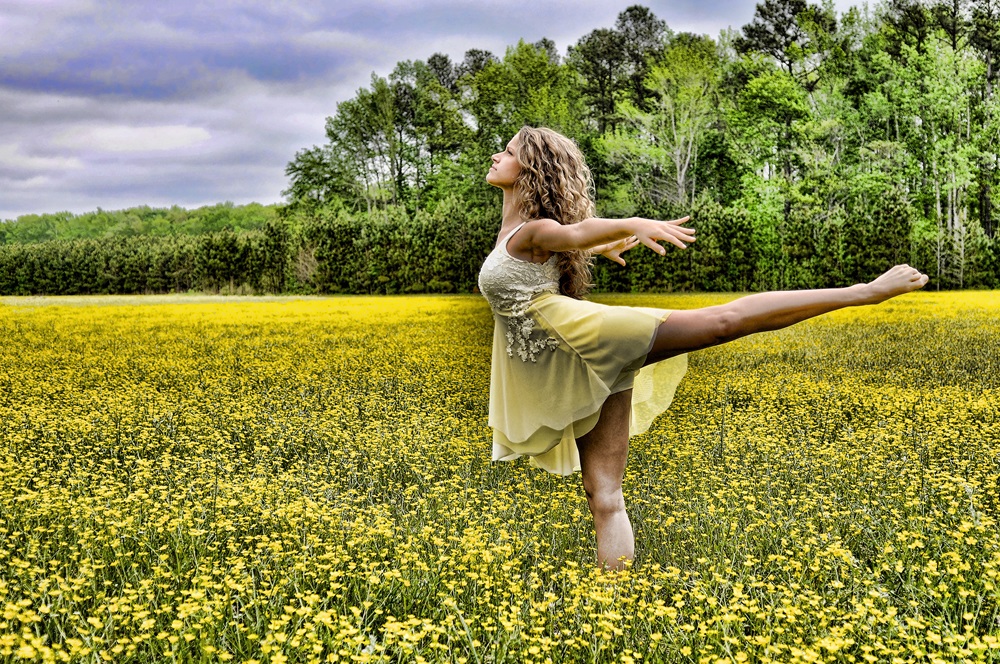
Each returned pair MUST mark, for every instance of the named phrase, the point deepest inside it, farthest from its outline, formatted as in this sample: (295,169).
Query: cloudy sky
(113,103)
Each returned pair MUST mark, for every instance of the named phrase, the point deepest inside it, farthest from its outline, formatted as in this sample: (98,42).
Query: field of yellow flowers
(307,480)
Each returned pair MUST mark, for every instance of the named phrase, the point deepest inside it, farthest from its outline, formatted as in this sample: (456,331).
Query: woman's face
(505,168)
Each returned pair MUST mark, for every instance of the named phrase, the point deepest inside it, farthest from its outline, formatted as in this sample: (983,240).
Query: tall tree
(643,38)
(794,33)
(658,147)
(600,58)
(906,22)
(367,158)
(444,71)
(613,63)
(526,87)
(313,179)
(475,61)
(985,39)
(765,124)
(548,47)
(953,19)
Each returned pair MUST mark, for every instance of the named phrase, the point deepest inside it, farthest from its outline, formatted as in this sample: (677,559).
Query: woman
(572,380)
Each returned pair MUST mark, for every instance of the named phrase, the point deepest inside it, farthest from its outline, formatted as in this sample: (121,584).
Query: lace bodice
(509,284)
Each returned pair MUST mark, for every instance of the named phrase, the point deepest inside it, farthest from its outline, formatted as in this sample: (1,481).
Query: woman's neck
(510,215)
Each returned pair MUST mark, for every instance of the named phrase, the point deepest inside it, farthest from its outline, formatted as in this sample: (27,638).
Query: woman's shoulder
(524,244)
(534,226)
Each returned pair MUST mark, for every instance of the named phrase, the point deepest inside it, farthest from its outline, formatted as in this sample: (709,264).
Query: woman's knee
(605,501)
(724,324)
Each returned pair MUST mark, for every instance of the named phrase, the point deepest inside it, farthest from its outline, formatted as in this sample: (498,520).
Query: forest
(810,149)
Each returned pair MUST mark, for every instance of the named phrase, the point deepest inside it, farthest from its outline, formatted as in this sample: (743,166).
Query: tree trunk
(937,191)
(985,200)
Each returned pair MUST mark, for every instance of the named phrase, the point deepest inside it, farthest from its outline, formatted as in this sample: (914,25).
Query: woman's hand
(613,250)
(651,231)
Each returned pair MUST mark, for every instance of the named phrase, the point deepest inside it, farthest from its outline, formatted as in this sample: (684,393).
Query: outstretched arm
(550,235)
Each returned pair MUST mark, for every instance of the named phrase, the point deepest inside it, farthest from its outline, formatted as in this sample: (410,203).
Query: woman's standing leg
(686,331)
(603,453)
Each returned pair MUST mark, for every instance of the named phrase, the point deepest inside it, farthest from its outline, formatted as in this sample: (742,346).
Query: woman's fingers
(675,225)
(678,237)
(653,232)
(652,244)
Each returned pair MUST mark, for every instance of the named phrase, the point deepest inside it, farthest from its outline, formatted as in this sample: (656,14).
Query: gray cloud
(116,104)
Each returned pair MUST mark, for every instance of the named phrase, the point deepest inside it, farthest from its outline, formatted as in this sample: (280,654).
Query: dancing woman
(571,380)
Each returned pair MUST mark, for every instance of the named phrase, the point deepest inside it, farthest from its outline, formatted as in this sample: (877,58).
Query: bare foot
(896,281)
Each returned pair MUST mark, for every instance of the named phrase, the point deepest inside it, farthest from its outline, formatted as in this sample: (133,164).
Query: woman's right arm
(613,250)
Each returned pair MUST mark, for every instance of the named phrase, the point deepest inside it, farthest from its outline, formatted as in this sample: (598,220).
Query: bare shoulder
(529,243)
(538,229)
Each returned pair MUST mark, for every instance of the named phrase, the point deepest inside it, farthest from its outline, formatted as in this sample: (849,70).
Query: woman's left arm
(550,235)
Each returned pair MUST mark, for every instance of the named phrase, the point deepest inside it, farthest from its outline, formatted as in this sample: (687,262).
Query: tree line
(390,251)
(143,220)
(225,261)
(810,149)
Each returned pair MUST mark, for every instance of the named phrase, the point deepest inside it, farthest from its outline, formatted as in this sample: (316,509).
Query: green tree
(643,37)
(599,58)
(796,34)
(658,148)
(766,125)
(985,39)
(905,23)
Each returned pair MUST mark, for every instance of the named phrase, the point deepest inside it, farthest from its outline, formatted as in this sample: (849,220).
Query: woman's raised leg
(603,453)
(690,330)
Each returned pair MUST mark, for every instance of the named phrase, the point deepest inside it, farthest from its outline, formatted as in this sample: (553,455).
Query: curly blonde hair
(555,183)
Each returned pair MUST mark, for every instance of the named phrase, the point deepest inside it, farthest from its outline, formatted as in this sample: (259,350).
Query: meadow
(199,479)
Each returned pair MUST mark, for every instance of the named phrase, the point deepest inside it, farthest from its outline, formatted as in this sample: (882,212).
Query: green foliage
(657,149)
(877,232)
(390,252)
(226,261)
(724,257)
(797,35)
(831,148)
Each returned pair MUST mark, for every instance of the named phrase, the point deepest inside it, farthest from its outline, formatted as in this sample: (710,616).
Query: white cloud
(342,40)
(133,139)
(13,158)
(37,183)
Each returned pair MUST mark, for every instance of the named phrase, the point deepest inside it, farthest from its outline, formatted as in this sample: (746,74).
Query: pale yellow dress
(556,359)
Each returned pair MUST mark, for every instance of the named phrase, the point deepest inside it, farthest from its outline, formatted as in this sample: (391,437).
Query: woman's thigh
(690,330)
